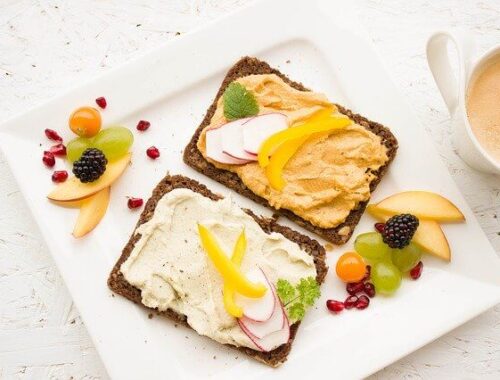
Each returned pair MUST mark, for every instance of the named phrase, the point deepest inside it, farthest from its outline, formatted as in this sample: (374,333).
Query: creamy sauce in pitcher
(483,107)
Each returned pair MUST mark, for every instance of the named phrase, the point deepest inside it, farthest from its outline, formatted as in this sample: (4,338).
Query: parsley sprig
(298,298)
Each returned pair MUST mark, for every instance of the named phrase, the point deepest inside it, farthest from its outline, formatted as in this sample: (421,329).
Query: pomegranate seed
(101,102)
(350,302)
(380,227)
(143,125)
(369,289)
(153,152)
(416,272)
(368,273)
(335,306)
(134,203)
(354,288)
(53,135)
(363,302)
(59,176)
(48,159)
(58,150)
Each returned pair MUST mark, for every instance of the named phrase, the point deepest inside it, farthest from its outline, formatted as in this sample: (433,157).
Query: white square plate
(172,87)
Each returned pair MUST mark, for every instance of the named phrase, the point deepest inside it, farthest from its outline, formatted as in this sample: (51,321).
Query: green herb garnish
(298,298)
(239,102)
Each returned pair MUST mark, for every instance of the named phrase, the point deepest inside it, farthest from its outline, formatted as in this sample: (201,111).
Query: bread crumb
(329,246)
(344,231)
(215,357)
(150,315)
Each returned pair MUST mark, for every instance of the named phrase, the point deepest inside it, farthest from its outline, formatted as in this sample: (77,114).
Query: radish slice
(258,129)
(232,140)
(258,309)
(214,148)
(260,329)
(273,340)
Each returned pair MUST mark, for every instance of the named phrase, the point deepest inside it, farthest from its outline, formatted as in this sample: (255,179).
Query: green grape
(371,246)
(75,148)
(114,141)
(386,277)
(405,259)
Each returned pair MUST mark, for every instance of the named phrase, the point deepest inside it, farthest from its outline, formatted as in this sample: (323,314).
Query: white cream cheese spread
(172,270)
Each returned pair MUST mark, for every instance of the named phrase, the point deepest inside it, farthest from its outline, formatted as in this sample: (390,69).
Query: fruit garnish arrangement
(408,227)
(99,157)
(264,311)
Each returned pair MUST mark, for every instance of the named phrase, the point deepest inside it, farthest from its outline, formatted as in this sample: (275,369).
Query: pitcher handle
(451,88)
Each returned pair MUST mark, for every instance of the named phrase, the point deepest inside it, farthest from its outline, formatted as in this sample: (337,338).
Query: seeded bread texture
(118,284)
(193,157)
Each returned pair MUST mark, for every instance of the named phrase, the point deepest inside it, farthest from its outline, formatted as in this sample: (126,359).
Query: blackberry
(90,166)
(399,230)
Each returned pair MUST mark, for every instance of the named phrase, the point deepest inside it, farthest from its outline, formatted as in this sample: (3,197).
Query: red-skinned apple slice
(215,151)
(259,128)
(258,309)
(260,329)
(232,140)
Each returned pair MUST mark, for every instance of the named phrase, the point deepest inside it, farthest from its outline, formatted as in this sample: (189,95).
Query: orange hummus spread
(329,174)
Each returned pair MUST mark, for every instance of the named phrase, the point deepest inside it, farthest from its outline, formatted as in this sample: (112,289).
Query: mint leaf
(239,102)
(296,312)
(285,290)
(308,290)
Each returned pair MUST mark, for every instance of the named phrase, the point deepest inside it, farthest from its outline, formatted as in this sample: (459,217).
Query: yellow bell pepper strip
(321,114)
(229,272)
(228,290)
(270,145)
(278,160)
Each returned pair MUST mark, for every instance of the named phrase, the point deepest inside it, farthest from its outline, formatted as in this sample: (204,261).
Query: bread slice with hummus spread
(163,267)
(329,179)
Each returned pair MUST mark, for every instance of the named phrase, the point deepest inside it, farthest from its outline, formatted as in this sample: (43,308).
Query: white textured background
(47,46)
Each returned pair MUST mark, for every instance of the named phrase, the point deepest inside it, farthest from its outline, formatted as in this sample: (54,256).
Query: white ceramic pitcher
(454,91)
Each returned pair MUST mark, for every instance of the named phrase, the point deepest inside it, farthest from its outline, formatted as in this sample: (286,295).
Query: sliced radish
(273,340)
(232,140)
(258,129)
(260,329)
(258,309)
(214,148)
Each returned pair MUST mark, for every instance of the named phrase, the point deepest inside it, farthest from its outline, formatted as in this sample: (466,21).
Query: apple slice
(215,150)
(261,329)
(273,340)
(429,235)
(422,204)
(232,140)
(73,189)
(431,238)
(70,204)
(259,128)
(257,309)
(92,211)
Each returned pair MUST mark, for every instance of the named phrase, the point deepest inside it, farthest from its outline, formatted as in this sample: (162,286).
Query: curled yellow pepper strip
(325,124)
(228,270)
(228,290)
(279,159)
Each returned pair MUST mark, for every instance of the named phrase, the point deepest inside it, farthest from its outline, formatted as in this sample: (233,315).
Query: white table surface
(47,46)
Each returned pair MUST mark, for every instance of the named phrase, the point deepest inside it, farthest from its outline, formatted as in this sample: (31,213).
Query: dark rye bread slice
(193,157)
(118,284)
